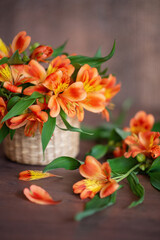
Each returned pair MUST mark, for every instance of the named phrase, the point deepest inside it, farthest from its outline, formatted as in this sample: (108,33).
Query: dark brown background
(88,24)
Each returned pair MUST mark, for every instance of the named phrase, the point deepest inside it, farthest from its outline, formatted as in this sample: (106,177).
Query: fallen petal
(30,175)
(38,195)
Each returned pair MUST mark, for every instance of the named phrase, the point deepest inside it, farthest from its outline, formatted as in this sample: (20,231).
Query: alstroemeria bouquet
(37,87)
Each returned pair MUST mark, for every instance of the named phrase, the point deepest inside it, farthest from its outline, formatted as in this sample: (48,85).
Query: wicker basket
(28,150)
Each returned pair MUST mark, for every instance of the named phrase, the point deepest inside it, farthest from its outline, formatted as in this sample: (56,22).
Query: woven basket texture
(28,150)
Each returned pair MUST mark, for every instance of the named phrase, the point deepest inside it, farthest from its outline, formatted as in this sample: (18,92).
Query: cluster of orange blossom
(143,141)
(87,90)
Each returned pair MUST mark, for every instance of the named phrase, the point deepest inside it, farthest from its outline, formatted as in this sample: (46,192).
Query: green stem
(118,179)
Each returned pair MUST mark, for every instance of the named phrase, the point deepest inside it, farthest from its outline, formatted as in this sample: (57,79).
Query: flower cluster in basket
(37,87)
(34,94)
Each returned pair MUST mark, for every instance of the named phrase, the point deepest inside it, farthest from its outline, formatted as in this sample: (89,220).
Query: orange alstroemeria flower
(41,53)
(32,120)
(98,179)
(141,122)
(95,100)
(64,94)
(35,69)
(3,110)
(146,143)
(38,195)
(20,43)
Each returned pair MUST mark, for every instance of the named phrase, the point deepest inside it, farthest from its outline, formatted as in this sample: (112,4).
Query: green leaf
(3,60)
(47,131)
(122,165)
(98,53)
(12,132)
(136,188)
(156,127)
(118,134)
(15,58)
(4,131)
(98,151)
(12,102)
(95,205)
(92,61)
(69,127)
(22,105)
(155,165)
(154,173)
(63,162)
(58,51)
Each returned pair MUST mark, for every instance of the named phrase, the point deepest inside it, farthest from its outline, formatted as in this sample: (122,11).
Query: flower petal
(68,107)
(17,122)
(94,102)
(54,107)
(38,195)
(75,92)
(39,88)
(12,88)
(36,70)
(30,175)
(109,188)
(20,42)
(91,169)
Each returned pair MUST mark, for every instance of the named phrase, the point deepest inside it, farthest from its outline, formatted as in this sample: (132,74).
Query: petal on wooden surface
(38,195)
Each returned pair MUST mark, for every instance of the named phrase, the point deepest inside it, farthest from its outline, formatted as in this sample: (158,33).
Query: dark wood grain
(20,219)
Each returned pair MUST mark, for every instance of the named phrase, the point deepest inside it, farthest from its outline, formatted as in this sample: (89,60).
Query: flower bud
(41,53)
(141,157)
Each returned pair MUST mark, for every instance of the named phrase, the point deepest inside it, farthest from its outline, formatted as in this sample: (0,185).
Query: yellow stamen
(5,73)
(94,185)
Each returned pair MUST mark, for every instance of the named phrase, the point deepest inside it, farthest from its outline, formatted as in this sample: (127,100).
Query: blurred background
(88,24)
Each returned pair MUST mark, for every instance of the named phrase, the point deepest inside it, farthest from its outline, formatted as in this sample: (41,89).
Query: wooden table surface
(23,220)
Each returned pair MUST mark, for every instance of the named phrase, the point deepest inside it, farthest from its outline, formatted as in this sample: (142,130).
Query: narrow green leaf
(63,162)
(95,205)
(122,165)
(136,188)
(98,53)
(3,60)
(12,102)
(156,127)
(12,132)
(98,151)
(4,131)
(69,127)
(22,105)
(92,61)
(47,131)
(58,51)
(15,58)
(18,108)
